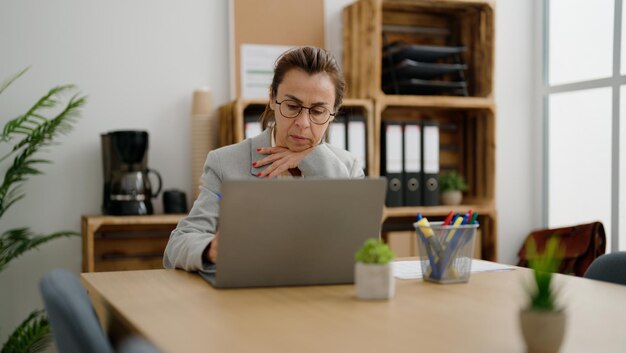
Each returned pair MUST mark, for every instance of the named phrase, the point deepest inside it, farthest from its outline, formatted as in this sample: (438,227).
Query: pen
(448,219)
(457,222)
(419,216)
(474,219)
(466,219)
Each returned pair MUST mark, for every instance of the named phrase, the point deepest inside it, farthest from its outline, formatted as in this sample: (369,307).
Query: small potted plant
(373,272)
(452,185)
(543,321)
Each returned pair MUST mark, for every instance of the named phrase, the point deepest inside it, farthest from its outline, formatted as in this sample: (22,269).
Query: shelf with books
(429,63)
(466,141)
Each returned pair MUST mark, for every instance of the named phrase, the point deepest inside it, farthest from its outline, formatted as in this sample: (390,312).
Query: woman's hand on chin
(279,160)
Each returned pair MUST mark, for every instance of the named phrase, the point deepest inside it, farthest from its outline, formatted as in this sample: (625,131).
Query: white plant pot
(543,331)
(451,197)
(374,281)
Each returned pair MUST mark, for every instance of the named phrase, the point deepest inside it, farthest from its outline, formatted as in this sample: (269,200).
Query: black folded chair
(609,268)
(74,324)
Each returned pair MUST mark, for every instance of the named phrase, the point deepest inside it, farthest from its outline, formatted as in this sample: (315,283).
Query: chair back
(581,244)
(609,267)
(73,321)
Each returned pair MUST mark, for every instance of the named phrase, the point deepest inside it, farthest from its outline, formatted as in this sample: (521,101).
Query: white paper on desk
(257,68)
(413,269)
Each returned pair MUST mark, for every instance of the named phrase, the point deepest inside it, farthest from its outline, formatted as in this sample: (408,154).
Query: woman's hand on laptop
(279,160)
(212,253)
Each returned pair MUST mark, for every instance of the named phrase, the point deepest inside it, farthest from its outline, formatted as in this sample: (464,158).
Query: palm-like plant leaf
(38,132)
(10,80)
(15,242)
(32,335)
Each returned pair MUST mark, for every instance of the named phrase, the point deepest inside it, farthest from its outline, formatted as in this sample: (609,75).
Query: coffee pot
(127,187)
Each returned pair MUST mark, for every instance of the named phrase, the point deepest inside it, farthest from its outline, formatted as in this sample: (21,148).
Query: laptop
(290,232)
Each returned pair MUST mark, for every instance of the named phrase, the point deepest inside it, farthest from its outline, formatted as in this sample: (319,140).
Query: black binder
(391,159)
(412,164)
(430,163)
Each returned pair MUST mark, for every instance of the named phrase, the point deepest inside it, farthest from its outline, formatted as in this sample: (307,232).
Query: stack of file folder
(410,161)
(423,70)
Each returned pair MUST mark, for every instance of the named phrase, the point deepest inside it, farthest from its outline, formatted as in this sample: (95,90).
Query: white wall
(518,127)
(139,61)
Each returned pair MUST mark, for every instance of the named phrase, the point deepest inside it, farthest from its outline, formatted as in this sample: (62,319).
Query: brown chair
(581,243)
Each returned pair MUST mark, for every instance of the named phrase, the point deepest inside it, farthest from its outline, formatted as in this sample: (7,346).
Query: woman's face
(315,90)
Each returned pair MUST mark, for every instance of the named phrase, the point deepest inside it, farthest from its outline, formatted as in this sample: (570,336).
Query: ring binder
(392,162)
(430,160)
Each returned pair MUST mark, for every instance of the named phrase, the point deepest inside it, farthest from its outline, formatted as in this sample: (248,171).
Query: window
(584,73)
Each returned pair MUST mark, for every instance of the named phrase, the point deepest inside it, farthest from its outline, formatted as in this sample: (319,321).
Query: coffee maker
(127,189)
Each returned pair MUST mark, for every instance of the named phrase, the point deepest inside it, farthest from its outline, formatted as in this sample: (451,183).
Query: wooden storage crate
(401,219)
(467,140)
(370,23)
(116,243)
(232,118)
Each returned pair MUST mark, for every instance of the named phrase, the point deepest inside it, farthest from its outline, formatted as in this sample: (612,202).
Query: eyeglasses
(317,115)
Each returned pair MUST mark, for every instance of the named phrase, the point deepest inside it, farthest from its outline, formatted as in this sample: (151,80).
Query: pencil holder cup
(446,251)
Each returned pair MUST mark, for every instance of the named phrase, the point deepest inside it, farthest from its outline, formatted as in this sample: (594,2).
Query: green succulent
(374,251)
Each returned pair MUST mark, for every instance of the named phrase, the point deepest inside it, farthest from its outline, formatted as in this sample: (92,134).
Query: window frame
(614,82)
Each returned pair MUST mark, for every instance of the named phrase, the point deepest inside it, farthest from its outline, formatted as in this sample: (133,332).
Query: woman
(305,94)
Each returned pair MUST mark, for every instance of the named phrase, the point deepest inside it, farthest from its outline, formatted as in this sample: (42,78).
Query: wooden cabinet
(466,122)
(115,243)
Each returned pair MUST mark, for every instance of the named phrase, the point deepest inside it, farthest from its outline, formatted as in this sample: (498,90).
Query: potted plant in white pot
(452,185)
(373,272)
(543,321)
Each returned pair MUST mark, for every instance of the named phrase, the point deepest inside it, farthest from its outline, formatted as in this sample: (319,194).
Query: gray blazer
(194,233)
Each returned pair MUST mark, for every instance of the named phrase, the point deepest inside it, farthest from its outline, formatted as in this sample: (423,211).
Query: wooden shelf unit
(467,139)
(115,243)
(467,123)
(232,119)
(369,24)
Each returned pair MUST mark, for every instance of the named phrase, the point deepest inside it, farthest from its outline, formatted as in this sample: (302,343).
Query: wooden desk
(180,312)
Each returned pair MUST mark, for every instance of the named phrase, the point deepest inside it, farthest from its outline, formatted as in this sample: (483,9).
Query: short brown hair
(311,60)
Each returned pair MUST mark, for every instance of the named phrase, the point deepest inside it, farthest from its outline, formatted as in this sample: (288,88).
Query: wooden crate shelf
(369,24)
(402,219)
(467,123)
(467,140)
(232,118)
(114,243)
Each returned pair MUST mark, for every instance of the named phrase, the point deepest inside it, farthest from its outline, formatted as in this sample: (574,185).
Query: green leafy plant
(29,133)
(542,295)
(452,181)
(374,251)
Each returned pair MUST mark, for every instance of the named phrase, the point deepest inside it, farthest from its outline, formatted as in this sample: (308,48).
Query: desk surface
(180,312)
